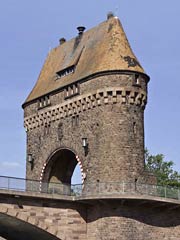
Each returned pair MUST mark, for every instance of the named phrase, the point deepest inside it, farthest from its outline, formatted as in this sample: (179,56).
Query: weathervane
(117,10)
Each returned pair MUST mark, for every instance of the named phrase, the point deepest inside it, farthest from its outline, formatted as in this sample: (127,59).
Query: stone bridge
(33,215)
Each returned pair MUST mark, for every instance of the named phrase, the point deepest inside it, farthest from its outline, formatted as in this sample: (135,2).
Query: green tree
(162,169)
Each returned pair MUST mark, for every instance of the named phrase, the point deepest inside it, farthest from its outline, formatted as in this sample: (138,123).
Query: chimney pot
(81,29)
(62,40)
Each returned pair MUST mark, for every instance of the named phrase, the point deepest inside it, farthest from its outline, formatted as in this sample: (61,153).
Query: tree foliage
(162,169)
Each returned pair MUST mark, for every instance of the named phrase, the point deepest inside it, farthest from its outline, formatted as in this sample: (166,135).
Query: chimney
(81,29)
(62,40)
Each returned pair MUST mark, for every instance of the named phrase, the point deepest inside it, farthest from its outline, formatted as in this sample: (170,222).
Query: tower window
(44,102)
(75,121)
(71,91)
(136,80)
(134,127)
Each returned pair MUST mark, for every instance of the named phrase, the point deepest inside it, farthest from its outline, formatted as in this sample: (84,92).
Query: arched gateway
(60,166)
(58,170)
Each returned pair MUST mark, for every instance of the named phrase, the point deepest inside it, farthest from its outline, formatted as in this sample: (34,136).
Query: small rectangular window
(65,72)
(71,91)
(136,80)
(44,102)
(75,121)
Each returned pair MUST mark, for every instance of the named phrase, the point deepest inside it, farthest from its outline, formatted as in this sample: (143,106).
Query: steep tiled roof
(102,48)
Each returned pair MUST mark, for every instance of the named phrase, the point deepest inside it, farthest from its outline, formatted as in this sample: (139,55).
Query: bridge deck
(15,188)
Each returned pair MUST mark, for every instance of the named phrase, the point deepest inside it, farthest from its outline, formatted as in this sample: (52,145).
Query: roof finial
(110,15)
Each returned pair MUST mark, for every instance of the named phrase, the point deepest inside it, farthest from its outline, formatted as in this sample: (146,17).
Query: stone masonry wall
(102,220)
(93,84)
(64,221)
(113,222)
(110,115)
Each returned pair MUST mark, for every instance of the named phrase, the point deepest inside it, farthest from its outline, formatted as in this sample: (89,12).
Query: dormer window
(71,90)
(65,72)
(44,102)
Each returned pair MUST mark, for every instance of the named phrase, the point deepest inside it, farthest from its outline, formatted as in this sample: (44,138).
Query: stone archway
(58,171)
(12,228)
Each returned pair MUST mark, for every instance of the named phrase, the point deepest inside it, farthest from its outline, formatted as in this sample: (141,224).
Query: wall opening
(60,167)
(62,170)
(77,175)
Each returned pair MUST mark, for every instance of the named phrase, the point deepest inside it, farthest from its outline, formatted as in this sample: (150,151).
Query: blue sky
(29,29)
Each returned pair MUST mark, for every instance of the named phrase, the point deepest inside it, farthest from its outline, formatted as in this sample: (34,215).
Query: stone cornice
(71,107)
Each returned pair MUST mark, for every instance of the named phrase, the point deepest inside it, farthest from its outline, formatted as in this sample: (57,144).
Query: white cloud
(10,164)
(12,169)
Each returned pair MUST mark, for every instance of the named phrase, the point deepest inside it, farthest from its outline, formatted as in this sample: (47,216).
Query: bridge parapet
(97,189)
(65,215)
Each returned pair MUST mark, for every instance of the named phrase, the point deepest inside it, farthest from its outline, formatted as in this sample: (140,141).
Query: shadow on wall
(13,229)
(152,214)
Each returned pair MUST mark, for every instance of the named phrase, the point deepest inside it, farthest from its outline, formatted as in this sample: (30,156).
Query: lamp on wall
(30,160)
(85,145)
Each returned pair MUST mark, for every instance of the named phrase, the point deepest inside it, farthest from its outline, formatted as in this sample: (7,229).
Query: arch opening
(62,169)
(77,175)
(12,228)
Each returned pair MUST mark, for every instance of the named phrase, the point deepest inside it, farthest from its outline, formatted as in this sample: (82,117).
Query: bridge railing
(115,188)
(12,183)
(92,189)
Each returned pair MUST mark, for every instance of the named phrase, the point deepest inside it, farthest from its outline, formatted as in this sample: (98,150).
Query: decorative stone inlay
(84,102)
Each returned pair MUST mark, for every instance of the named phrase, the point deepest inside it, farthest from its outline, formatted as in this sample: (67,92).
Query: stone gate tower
(87,108)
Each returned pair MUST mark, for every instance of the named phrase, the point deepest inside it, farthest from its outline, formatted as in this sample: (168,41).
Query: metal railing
(94,189)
